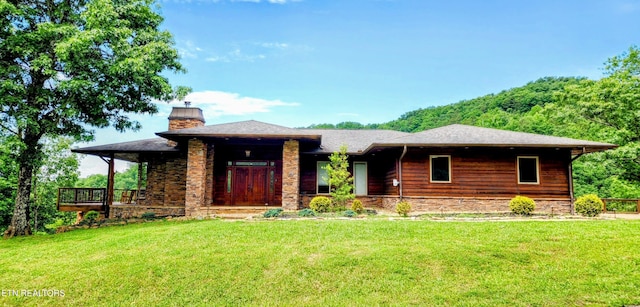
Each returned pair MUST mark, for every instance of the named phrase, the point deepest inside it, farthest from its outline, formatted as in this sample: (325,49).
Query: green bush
(91,216)
(321,204)
(403,208)
(357,206)
(522,205)
(149,215)
(272,212)
(349,213)
(306,213)
(589,205)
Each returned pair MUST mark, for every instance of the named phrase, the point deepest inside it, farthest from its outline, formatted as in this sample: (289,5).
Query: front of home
(193,169)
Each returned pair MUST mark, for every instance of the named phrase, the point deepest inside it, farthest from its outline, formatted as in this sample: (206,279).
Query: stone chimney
(185,117)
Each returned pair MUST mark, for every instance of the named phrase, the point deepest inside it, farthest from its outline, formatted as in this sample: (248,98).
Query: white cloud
(188,50)
(273,45)
(216,103)
(236,55)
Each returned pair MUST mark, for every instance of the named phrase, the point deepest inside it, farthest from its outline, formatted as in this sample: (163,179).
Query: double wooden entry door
(251,183)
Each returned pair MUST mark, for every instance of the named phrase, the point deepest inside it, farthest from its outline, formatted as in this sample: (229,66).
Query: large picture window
(322,178)
(440,168)
(528,170)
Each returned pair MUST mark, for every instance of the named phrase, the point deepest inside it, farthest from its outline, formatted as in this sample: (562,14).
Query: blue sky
(296,63)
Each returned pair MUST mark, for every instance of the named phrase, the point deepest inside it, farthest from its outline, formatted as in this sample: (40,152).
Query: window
(528,170)
(440,169)
(360,178)
(323,178)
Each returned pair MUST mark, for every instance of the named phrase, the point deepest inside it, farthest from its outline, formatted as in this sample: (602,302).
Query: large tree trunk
(30,156)
(20,220)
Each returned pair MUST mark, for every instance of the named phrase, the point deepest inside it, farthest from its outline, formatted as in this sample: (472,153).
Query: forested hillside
(605,110)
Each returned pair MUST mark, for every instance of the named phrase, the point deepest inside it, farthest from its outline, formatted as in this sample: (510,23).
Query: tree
(610,109)
(60,169)
(340,180)
(8,180)
(67,66)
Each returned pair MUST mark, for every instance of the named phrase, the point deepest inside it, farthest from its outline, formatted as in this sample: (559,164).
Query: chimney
(185,117)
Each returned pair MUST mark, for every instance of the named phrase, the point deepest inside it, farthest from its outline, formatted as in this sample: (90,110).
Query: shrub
(349,213)
(149,215)
(522,205)
(320,204)
(91,216)
(589,205)
(403,208)
(272,212)
(306,213)
(357,206)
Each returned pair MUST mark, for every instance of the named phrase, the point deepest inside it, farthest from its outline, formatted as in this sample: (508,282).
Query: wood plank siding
(487,173)
(381,170)
(484,172)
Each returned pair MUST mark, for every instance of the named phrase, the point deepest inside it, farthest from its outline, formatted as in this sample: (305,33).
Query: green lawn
(330,262)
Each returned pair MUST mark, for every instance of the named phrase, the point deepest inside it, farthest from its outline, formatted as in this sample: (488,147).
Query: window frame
(431,157)
(537,159)
(318,178)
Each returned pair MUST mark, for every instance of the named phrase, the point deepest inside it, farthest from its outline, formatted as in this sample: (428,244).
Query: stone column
(196,177)
(290,175)
(209,187)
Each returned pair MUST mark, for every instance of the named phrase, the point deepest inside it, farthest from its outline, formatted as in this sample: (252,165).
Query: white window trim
(318,178)
(537,169)
(431,168)
(366,177)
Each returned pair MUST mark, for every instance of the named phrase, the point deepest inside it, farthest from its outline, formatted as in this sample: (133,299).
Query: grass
(330,262)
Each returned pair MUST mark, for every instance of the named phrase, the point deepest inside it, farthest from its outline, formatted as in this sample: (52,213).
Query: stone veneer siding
(209,186)
(155,183)
(183,123)
(131,211)
(453,205)
(165,182)
(481,205)
(196,177)
(291,175)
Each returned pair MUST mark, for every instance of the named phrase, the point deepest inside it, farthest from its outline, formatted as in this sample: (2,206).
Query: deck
(94,199)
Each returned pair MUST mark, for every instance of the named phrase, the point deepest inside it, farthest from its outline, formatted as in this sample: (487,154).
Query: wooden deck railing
(97,196)
(622,205)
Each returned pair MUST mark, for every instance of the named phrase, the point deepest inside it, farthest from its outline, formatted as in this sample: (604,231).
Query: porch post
(196,177)
(110,182)
(291,175)
(139,182)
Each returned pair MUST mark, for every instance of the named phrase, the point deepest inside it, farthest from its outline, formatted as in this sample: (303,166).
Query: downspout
(404,152)
(573,210)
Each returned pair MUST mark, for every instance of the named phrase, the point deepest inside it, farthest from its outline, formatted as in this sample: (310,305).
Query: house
(193,169)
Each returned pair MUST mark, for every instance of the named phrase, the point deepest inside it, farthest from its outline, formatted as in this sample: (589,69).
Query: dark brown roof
(357,141)
(244,129)
(463,135)
(129,151)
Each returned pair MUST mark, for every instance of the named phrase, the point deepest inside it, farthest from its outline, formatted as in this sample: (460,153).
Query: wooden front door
(252,183)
